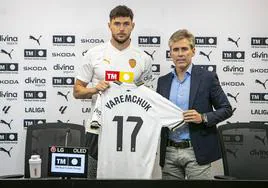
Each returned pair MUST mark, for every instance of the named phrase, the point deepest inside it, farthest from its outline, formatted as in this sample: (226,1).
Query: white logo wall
(41,49)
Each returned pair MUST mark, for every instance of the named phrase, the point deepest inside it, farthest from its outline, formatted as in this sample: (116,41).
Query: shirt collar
(189,70)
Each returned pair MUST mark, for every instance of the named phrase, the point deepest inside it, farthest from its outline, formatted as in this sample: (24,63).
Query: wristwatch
(204,118)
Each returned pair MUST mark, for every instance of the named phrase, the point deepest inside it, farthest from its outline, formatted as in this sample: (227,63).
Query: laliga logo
(127,77)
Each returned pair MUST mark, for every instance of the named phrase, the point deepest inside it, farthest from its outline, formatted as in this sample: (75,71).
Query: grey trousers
(181,164)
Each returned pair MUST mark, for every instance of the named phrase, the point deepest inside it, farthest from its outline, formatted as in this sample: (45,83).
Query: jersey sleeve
(146,76)
(85,69)
(169,114)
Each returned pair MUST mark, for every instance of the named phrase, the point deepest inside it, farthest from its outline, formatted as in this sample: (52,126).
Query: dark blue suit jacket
(205,94)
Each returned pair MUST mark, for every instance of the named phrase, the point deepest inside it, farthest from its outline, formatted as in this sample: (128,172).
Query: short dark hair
(121,11)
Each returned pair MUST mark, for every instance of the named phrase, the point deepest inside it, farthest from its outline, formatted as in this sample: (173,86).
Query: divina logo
(6,150)
(6,123)
(236,70)
(35,39)
(234,41)
(7,53)
(263,154)
(9,95)
(8,39)
(206,55)
(260,55)
(36,81)
(65,68)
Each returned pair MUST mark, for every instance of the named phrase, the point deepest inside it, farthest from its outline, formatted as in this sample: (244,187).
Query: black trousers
(92,145)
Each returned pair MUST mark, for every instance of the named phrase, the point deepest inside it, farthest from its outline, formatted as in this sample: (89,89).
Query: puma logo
(232,152)
(64,95)
(234,41)
(150,54)
(36,39)
(234,97)
(5,150)
(206,55)
(262,83)
(6,123)
(260,139)
(7,53)
(59,121)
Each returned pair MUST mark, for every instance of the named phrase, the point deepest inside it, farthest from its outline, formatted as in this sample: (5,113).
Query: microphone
(68,131)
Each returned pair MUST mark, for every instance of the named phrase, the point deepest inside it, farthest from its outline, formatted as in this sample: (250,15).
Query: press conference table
(86,183)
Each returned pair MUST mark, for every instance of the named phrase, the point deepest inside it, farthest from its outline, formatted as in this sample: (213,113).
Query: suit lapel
(196,78)
(168,86)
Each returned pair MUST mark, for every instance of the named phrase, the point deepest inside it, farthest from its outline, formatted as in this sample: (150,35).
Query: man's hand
(192,116)
(102,86)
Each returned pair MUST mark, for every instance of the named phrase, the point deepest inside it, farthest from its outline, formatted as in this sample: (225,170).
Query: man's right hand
(102,86)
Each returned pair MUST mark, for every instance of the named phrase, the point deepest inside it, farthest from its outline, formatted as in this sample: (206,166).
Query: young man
(188,152)
(116,59)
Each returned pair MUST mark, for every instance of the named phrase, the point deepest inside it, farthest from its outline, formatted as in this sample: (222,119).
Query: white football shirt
(131,118)
(106,57)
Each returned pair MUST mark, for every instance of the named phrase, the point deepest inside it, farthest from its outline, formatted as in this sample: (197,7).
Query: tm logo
(206,55)
(6,123)
(5,109)
(5,150)
(36,39)
(62,109)
(7,53)
(64,95)
(233,96)
(234,41)
(262,83)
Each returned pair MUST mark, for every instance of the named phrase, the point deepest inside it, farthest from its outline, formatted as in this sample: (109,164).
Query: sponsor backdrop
(43,42)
